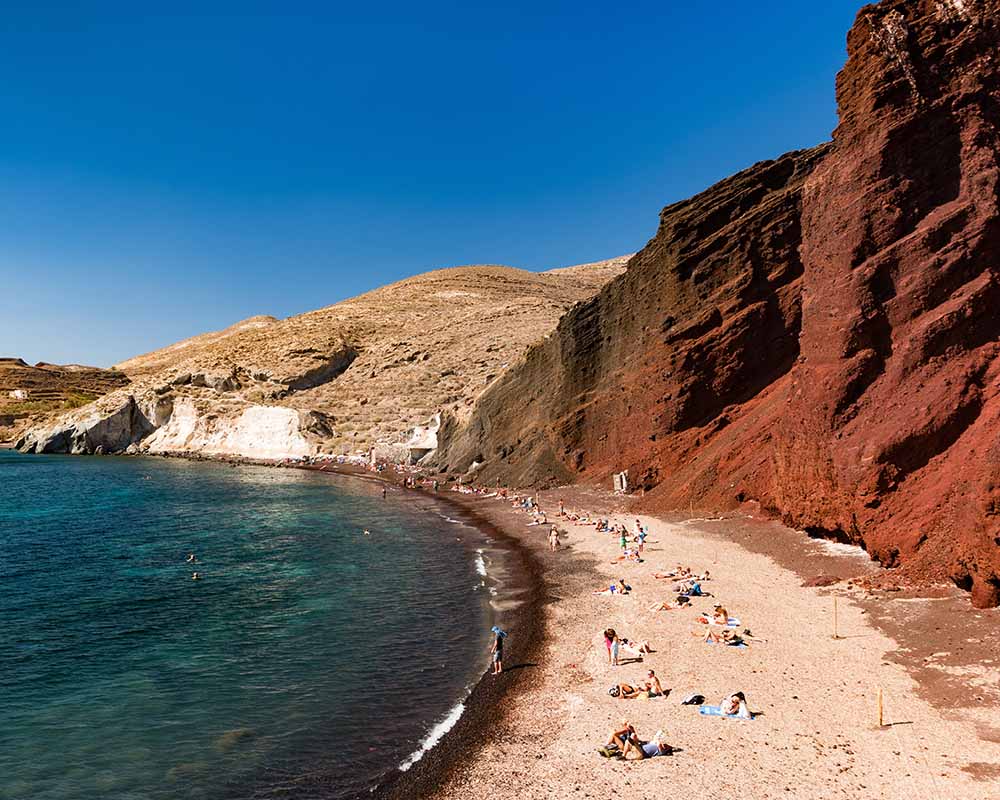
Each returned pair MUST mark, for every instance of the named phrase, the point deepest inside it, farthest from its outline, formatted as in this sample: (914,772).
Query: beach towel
(716,711)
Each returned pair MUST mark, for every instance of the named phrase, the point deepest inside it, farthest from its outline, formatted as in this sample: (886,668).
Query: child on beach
(497,649)
(612,643)
(553,539)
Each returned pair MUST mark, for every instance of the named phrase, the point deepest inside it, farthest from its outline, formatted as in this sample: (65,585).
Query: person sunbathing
(728,637)
(627,555)
(635,649)
(653,686)
(621,736)
(735,705)
(615,588)
(656,746)
(662,606)
(626,691)
(649,688)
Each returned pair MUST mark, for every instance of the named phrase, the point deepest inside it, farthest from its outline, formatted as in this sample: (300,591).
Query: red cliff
(818,333)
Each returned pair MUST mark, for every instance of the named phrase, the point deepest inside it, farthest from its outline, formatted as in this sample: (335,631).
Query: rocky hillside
(337,380)
(818,334)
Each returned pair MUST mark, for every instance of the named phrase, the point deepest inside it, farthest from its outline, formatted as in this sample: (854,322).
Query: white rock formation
(267,432)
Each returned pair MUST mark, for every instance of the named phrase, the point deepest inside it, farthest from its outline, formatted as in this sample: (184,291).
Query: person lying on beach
(727,636)
(628,555)
(635,649)
(662,606)
(656,746)
(615,588)
(619,738)
(676,572)
(735,705)
(650,688)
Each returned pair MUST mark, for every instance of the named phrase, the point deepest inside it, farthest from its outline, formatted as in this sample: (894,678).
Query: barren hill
(336,380)
(818,334)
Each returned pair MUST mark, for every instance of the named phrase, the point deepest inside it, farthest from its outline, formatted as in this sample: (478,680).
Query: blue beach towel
(716,711)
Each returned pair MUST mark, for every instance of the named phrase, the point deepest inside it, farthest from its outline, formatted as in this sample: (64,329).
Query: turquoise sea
(308,661)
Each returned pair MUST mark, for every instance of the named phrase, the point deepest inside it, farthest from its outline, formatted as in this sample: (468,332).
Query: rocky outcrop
(266,432)
(107,429)
(818,334)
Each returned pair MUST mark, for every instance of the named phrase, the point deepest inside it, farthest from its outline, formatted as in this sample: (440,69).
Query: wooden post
(836,634)
(881,724)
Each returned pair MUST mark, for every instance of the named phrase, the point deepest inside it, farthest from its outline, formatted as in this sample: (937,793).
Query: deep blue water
(309,659)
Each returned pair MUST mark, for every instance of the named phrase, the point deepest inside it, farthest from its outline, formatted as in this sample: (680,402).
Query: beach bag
(693,700)
(615,691)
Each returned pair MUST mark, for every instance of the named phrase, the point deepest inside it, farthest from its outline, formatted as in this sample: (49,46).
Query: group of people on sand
(716,627)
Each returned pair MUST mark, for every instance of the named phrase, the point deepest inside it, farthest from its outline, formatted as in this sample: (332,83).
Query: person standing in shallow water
(497,649)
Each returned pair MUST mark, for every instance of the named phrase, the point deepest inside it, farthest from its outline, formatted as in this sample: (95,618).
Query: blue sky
(164,175)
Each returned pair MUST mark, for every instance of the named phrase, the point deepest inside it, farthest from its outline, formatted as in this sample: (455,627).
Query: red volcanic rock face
(819,333)
(890,428)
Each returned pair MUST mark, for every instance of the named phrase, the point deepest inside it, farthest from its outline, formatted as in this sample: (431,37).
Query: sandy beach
(815,734)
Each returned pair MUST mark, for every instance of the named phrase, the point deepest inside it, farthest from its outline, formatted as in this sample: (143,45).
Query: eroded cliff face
(891,429)
(819,333)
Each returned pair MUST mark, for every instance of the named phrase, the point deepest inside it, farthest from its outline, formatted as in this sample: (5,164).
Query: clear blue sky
(164,175)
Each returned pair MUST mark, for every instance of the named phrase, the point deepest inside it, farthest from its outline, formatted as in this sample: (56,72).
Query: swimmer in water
(191,559)
(196,576)
(367,532)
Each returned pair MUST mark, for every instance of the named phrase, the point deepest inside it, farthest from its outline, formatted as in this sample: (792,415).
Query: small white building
(19,394)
